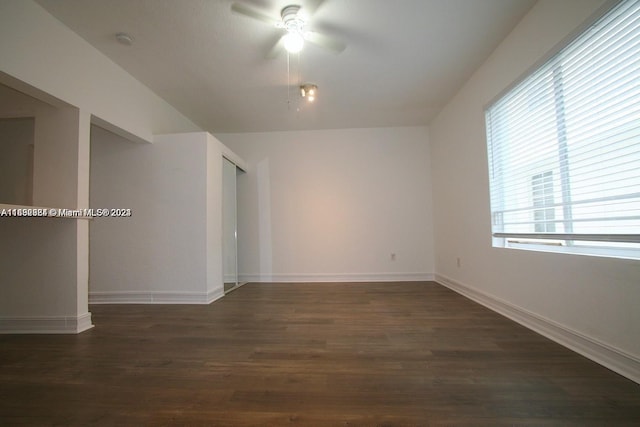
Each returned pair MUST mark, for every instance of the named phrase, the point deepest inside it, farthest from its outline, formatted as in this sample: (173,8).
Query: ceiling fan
(294,22)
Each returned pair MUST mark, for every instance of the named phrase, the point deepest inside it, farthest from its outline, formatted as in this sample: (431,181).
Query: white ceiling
(404,59)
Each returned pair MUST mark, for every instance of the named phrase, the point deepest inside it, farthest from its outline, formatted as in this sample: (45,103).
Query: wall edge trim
(155,297)
(340,277)
(610,357)
(45,324)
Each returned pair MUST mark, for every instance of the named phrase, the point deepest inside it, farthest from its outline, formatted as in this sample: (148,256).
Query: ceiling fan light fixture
(309,92)
(293,42)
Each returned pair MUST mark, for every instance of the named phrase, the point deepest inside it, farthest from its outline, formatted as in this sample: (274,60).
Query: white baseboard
(214,295)
(606,355)
(346,277)
(46,324)
(155,297)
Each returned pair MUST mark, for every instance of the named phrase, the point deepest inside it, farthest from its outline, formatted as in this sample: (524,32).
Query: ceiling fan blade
(277,49)
(324,41)
(252,13)
(308,10)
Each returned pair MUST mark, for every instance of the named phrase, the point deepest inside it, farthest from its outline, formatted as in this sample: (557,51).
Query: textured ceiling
(404,59)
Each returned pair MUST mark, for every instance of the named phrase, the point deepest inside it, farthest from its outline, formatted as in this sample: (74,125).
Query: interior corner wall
(586,301)
(49,60)
(334,205)
(158,255)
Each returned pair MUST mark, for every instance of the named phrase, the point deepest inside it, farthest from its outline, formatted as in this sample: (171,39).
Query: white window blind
(564,143)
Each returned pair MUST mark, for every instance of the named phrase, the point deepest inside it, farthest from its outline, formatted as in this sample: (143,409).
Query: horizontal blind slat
(564,144)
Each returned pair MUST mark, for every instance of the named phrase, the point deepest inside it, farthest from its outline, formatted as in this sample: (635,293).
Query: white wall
(58,160)
(161,247)
(170,249)
(16,135)
(61,177)
(334,204)
(213,232)
(46,59)
(37,270)
(44,262)
(572,296)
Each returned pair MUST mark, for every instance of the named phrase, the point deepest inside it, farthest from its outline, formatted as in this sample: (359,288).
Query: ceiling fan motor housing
(290,19)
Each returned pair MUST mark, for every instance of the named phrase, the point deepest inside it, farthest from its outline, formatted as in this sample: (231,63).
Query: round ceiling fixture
(293,42)
(124,38)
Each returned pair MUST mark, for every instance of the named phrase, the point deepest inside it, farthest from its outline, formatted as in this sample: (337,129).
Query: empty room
(320,212)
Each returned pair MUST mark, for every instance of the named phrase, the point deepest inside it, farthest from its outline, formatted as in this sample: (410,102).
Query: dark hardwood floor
(409,354)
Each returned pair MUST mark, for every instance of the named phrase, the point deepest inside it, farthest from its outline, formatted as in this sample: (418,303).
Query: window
(544,213)
(564,146)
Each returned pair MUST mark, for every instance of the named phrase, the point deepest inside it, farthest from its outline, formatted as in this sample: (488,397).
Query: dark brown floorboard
(385,354)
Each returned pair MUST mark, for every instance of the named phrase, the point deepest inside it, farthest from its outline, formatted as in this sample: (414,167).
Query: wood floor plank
(348,354)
